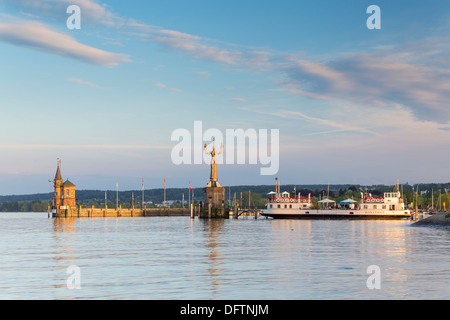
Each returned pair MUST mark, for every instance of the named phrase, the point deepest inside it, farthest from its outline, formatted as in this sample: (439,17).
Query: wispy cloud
(202,48)
(415,74)
(331,126)
(163,86)
(84,83)
(416,77)
(203,74)
(238,99)
(92,11)
(38,36)
(194,46)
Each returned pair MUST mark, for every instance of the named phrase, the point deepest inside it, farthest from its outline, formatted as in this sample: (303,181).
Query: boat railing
(372,200)
(289,200)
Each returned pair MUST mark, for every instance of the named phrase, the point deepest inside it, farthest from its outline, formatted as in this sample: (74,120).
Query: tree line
(253,196)
(24,206)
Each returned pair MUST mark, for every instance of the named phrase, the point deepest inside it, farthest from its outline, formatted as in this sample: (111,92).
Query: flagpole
(164,192)
(142,192)
(117,196)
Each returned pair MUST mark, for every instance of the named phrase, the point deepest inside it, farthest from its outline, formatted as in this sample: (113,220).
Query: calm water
(176,258)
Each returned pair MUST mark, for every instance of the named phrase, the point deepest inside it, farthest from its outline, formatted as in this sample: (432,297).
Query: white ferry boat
(283,206)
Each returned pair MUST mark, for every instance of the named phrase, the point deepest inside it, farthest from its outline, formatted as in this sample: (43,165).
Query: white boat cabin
(391,201)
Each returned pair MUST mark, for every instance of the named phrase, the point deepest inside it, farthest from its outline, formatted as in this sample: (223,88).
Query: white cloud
(38,36)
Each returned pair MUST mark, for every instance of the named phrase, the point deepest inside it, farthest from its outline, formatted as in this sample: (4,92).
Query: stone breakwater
(438,219)
(77,212)
(97,212)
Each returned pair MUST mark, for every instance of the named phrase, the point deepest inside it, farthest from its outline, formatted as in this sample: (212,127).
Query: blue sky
(353,105)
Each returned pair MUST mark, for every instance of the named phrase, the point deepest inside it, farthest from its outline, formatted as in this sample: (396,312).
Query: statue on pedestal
(213,179)
(214,192)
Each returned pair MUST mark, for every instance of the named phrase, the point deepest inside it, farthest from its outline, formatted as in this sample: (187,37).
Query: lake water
(246,259)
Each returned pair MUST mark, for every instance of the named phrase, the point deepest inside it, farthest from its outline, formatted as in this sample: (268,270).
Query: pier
(196,211)
(79,212)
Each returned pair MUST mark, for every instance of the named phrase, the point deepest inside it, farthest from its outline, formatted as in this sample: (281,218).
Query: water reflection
(213,229)
(64,252)
(64,224)
(324,252)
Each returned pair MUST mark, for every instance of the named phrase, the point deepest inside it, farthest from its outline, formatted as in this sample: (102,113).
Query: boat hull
(339,215)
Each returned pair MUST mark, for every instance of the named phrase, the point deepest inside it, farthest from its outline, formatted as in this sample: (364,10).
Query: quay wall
(102,212)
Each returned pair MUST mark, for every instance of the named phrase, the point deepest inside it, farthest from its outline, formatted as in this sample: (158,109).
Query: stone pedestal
(214,203)
(215,195)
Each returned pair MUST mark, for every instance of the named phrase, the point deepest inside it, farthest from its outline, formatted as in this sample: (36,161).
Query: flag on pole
(164,183)
(189,185)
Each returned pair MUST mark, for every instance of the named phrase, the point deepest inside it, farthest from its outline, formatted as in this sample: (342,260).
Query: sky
(352,104)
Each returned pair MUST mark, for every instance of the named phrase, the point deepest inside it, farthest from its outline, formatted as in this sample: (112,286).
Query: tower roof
(68,184)
(58,174)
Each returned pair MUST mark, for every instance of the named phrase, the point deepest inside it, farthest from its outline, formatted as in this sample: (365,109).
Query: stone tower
(64,195)
(57,184)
